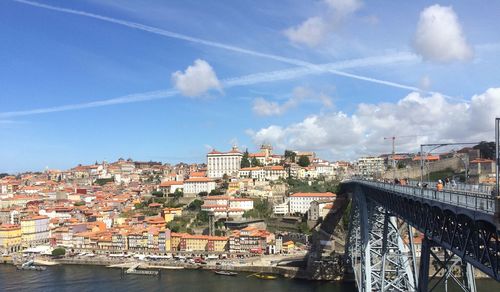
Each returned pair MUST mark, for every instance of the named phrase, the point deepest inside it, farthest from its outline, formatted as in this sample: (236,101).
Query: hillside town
(235,204)
(220,206)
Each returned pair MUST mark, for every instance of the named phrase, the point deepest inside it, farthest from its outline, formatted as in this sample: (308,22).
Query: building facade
(196,185)
(369,166)
(35,230)
(220,163)
(301,202)
(10,237)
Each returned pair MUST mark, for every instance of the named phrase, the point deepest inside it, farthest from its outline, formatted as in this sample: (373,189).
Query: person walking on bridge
(439,186)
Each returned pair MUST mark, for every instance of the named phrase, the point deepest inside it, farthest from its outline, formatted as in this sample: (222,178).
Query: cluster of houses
(97,206)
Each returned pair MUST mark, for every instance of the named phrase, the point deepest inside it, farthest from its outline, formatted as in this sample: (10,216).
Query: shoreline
(286,272)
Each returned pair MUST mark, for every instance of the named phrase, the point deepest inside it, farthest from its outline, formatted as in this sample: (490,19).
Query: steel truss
(469,236)
(446,265)
(380,258)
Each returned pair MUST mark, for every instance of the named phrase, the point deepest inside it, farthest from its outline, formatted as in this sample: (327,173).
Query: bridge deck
(472,200)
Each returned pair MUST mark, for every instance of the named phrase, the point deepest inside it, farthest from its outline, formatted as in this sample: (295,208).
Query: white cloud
(344,7)
(311,32)
(432,117)
(425,82)
(264,107)
(439,36)
(316,29)
(196,80)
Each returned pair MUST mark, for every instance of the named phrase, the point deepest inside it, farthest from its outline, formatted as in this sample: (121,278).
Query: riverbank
(287,272)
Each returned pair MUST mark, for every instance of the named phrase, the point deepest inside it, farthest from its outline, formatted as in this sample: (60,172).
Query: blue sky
(53,58)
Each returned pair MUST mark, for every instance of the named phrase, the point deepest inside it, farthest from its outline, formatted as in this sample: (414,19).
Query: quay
(133,269)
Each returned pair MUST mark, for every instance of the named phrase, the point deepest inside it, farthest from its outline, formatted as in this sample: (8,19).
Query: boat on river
(265,276)
(226,273)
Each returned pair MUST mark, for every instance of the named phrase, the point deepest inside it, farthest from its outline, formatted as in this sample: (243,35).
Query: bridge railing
(481,189)
(471,200)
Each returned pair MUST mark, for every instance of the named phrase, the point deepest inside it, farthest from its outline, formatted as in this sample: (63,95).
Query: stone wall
(413,171)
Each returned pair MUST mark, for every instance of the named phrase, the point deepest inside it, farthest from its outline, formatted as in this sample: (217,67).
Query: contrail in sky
(179,36)
(271,76)
(139,97)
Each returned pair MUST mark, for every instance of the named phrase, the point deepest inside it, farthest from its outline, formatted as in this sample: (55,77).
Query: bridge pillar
(425,258)
(380,258)
(445,263)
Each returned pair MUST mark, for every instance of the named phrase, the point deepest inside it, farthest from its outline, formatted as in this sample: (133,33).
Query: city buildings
(262,173)
(250,240)
(301,202)
(370,166)
(266,157)
(225,206)
(196,185)
(35,230)
(223,163)
(10,237)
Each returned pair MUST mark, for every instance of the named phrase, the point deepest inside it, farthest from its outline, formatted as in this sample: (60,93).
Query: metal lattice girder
(446,263)
(376,250)
(473,235)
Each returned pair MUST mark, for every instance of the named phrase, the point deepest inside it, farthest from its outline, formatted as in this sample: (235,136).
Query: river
(97,278)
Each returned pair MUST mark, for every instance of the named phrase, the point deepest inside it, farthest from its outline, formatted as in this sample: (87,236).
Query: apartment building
(369,166)
(301,202)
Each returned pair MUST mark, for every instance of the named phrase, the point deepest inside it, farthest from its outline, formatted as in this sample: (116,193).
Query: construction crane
(393,161)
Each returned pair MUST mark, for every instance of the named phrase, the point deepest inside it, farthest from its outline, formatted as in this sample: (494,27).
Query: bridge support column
(425,258)
(376,250)
(446,264)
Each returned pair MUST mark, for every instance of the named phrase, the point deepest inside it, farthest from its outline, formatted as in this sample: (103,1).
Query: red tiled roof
(171,183)
(327,194)
(198,179)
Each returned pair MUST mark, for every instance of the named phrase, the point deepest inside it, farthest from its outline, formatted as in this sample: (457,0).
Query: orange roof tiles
(171,183)
(327,194)
(198,179)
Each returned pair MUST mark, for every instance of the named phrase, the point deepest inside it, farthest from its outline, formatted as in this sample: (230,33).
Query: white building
(220,163)
(325,169)
(281,209)
(266,156)
(263,173)
(225,206)
(368,166)
(241,203)
(195,185)
(301,202)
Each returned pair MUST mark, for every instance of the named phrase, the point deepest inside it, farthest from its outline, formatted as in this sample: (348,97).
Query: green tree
(202,217)
(157,194)
(215,192)
(486,149)
(58,251)
(81,203)
(303,228)
(195,205)
(290,155)
(255,162)
(245,162)
(178,194)
(103,181)
(304,161)
(261,209)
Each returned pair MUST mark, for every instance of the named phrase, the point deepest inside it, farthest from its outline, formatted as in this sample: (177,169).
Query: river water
(97,278)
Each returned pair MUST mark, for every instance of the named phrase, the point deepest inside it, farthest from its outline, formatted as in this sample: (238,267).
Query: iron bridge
(460,234)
